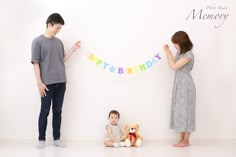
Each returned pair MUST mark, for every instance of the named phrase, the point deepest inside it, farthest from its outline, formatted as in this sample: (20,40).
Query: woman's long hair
(182,39)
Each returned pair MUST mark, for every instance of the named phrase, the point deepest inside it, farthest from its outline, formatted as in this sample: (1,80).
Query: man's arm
(41,86)
(73,49)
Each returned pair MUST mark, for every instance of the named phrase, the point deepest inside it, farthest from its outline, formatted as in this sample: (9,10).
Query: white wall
(125,33)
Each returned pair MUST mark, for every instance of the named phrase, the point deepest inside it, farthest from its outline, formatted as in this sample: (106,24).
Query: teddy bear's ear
(126,127)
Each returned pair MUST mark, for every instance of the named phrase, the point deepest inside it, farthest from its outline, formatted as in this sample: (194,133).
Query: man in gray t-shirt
(48,59)
(49,52)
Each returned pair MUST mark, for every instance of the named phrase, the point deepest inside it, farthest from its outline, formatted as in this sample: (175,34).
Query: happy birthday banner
(121,70)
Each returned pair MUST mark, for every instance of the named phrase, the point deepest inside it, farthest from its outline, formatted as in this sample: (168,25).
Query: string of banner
(121,70)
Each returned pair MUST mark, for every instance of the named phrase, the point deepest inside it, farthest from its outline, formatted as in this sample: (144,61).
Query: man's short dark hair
(55,18)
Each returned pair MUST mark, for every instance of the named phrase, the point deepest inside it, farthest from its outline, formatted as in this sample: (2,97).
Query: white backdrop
(125,33)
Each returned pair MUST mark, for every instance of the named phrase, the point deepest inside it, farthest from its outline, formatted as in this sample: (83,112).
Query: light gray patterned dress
(116,132)
(183,102)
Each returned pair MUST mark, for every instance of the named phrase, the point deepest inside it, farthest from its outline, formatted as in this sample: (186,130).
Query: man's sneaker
(58,143)
(41,144)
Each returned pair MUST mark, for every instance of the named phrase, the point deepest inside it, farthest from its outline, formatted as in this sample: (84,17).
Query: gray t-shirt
(49,53)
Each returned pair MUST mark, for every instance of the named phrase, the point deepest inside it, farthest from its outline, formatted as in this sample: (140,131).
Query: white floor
(149,149)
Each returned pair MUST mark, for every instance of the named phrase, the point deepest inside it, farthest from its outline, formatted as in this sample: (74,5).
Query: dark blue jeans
(55,96)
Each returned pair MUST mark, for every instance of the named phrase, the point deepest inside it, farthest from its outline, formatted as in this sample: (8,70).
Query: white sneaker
(41,144)
(122,144)
(58,143)
(116,145)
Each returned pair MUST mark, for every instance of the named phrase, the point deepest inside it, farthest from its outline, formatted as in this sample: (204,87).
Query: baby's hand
(116,141)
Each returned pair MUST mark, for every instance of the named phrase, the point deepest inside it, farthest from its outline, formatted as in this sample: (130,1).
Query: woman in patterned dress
(183,101)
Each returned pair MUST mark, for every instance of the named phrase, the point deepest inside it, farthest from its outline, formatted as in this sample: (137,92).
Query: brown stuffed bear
(131,137)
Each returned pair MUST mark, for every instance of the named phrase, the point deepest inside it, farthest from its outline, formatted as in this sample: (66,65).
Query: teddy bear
(131,137)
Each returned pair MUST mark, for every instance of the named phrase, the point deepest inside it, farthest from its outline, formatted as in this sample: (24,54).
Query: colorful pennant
(121,70)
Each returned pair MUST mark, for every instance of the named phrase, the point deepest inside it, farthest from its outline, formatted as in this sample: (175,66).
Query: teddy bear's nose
(132,128)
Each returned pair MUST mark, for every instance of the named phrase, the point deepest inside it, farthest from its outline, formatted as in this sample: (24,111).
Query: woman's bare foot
(182,144)
(177,143)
